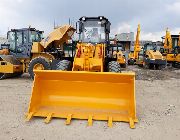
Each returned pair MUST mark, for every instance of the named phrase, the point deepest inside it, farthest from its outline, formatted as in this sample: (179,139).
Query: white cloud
(123,27)
(20,1)
(175,7)
(154,36)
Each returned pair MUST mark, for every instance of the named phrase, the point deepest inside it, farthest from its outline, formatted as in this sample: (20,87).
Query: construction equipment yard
(158,111)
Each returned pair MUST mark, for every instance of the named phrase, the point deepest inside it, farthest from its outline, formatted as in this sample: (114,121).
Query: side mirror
(108,27)
(78,27)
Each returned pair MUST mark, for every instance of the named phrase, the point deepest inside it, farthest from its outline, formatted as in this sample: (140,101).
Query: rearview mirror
(77,27)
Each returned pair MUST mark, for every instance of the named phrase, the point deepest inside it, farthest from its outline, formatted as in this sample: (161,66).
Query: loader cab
(20,41)
(93,29)
(150,46)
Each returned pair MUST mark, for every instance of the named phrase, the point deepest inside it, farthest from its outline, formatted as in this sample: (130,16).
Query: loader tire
(130,62)
(160,67)
(114,66)
(38,61)
(64,65)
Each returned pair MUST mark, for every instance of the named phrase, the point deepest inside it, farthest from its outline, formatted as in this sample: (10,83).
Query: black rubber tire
(146,66)
(114,66)
(64,65)
(160,67)
(123,65)
(140,65)
(157,67)
(130,62)
(151,66)
(38,60)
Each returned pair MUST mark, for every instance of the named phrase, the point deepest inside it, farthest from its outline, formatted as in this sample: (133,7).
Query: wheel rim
(38,67)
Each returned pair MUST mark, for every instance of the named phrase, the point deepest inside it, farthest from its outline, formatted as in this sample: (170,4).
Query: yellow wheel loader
(150,57)
(94,88)
(168,48)
(176,51)
(140,59)
(117,55)
(170,53)
(26,51)
(133,55)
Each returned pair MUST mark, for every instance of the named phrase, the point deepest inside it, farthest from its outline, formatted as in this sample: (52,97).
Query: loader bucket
(83,95)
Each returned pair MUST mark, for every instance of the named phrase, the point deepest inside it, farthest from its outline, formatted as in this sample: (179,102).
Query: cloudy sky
(153,15)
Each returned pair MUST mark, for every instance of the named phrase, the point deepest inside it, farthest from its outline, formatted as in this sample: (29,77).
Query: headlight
(83,18)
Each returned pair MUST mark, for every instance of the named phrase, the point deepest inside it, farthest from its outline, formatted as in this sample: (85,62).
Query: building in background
(125,39)
(3,40)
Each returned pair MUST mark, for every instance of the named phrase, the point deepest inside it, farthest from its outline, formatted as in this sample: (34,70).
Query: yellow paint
(37,47)
(48,56)
(6,67)
(90,121)
(58,36)
(137,48)
(154,54)
(89,57)
(110,121)
(120,57)
(4,52)
(38,67)
(48,119)
(170,57)
(168,42)
(80,95)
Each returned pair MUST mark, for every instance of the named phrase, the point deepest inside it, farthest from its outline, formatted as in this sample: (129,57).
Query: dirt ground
(158,111)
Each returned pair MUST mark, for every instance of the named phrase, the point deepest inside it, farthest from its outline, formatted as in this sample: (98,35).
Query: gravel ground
(158,111)
(150,75)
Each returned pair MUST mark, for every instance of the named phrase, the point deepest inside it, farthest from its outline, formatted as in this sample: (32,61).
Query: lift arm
(168,42)
(137,43)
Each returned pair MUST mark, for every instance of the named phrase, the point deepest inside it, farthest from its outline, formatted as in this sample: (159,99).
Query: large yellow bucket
(83,95)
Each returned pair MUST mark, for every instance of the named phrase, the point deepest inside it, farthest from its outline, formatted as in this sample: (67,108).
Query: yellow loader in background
(150,57)
(26,51)
(168,48)
(133,56)
(170,53)
(177,55)
(94,89)
(117,54)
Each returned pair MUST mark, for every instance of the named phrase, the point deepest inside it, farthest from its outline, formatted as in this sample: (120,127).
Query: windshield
(93,31)
(150,47)
(35,36)
(11,40)
(141,52)
(117,48)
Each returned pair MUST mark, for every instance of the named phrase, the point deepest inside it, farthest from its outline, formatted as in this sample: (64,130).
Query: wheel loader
(170,53)
(150,57)
(177,57)
(117,54)
(133,55)
(176,51)
(91,87)
(26,50)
